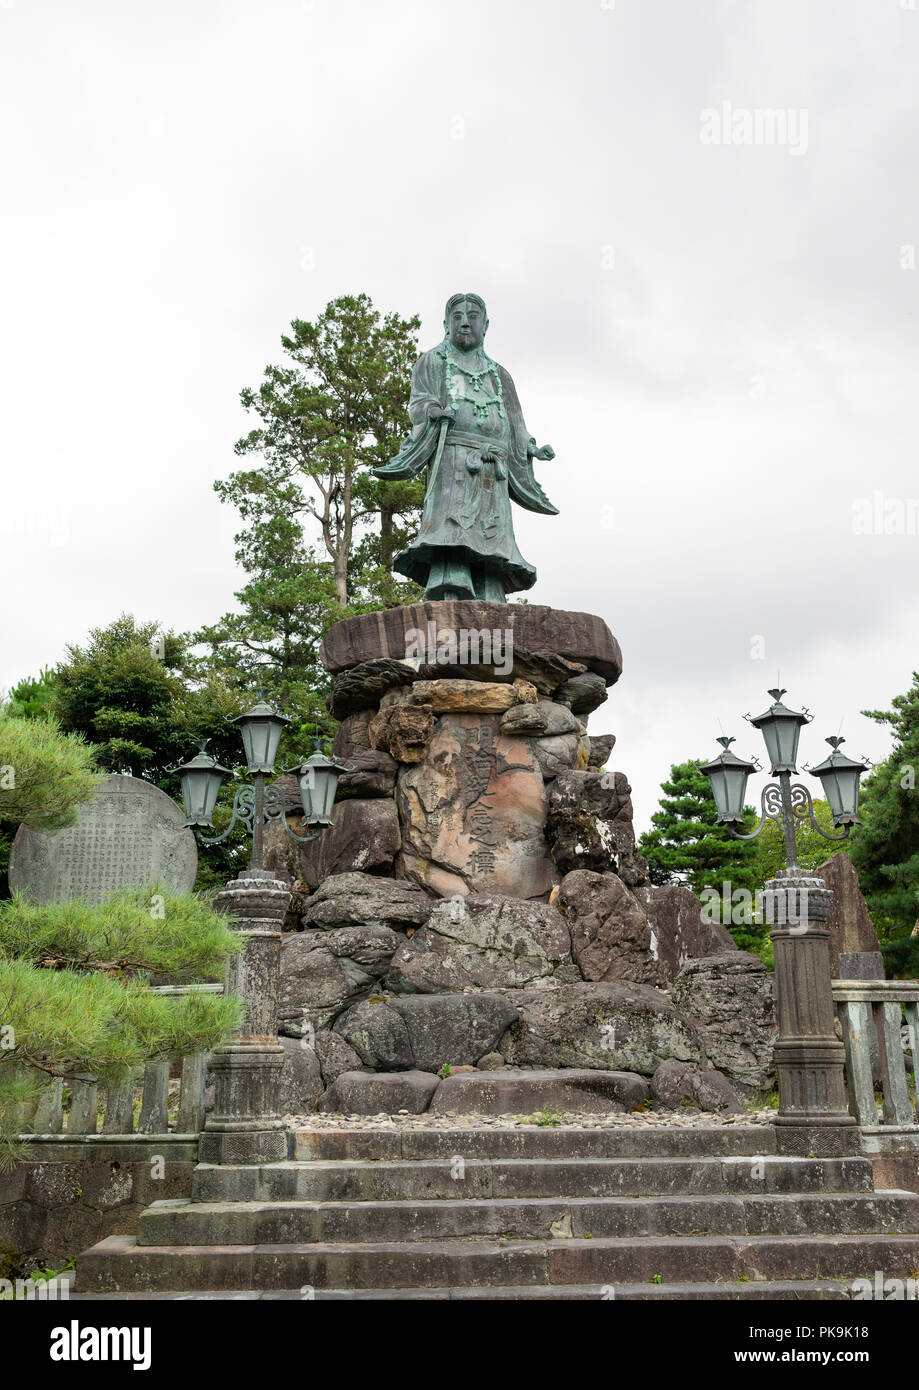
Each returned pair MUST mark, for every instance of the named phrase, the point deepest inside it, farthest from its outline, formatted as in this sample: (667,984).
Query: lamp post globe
(261,728)
(317,778)
(780,728)
(202,777)
(839,776)
(728,776)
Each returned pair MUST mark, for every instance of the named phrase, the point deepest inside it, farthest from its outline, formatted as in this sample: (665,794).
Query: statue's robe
(465,544)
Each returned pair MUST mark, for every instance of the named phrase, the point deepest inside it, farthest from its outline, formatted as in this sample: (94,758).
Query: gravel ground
(648,1119)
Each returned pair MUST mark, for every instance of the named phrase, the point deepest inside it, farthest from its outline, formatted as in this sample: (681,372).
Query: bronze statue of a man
(468,431)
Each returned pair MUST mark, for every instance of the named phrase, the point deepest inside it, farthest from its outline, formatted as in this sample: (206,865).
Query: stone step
(819,1290)
(402,1180)
(181,1222)
(661,1141)
(119,1264)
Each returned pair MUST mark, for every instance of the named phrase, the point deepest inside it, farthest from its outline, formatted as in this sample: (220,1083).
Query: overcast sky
(716,334)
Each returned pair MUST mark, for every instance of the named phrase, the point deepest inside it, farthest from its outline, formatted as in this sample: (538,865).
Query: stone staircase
(524,1213)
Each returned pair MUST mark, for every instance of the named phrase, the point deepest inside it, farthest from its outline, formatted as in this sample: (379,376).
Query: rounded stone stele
(129,835)
(580,637)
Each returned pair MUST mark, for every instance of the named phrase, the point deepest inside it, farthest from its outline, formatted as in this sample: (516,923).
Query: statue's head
(465,321)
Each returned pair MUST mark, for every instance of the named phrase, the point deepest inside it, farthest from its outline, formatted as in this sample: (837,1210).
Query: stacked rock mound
(478,907)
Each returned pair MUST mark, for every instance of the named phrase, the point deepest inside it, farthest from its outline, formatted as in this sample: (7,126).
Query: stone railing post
(245,1125)
(813,1116)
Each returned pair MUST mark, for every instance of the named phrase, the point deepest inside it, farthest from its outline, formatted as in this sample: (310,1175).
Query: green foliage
(546,1118)
(118,692)
(75,998)
(813,849)
(273,642)
(901,957)
(32,697)
(45,774)
(885,847)
(335,410)
(138,697)
(136,932)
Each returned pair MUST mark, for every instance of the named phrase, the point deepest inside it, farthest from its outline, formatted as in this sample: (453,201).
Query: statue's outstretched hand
(545,451)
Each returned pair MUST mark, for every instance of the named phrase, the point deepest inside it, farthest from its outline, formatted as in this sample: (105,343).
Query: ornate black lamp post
(813,1112)
(245,1126)
(256,803)
(786,802)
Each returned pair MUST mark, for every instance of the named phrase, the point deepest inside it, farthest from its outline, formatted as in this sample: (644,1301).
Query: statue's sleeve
(416,450)
(521,479)
(427,388)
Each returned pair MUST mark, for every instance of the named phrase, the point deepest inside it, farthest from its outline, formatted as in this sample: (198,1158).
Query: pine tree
(73,979)
(336,409)
(885,847)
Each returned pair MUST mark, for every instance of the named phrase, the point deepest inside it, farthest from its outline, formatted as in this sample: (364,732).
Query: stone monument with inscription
(129,835)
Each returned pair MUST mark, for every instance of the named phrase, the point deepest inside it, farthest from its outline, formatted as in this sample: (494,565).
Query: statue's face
(466,325)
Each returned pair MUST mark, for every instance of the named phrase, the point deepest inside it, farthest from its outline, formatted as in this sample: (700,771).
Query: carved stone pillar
(245,1125)
(813,1116)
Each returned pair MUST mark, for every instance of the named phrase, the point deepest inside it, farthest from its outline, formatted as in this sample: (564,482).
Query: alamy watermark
(462,646)
(738,907)
(779,126)
(881,1288)
(879,515)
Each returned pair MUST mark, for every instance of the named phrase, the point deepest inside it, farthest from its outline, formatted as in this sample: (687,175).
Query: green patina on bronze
(468,432)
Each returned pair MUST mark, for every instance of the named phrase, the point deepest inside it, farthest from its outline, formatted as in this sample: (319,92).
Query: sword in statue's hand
(446,419)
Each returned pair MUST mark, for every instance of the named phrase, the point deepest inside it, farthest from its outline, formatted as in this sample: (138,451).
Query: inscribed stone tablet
(130,834)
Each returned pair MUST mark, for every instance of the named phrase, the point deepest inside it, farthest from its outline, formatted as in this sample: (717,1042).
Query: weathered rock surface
(676,1084)
(362,687)
(335,1056)
(364,836)
(491,1061)
(609,1025)
(473,813)
(730,998)
(545,670)
(631,867)
(404,731)
(322,972)
(526,1092)
(423,1031)
(525,719)
(472,696)
(601,746)
(380,1093)
(559,718)
(372,773)
(482,942)
(352,735)
(611,938)
(680,934)
(301,1078)
(850,925)
(560,753)
(354,900)
(583,808)
(580,637)
(582,694)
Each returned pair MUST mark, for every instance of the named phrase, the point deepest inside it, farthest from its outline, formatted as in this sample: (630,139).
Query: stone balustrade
(870,1012)
(117,1104)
